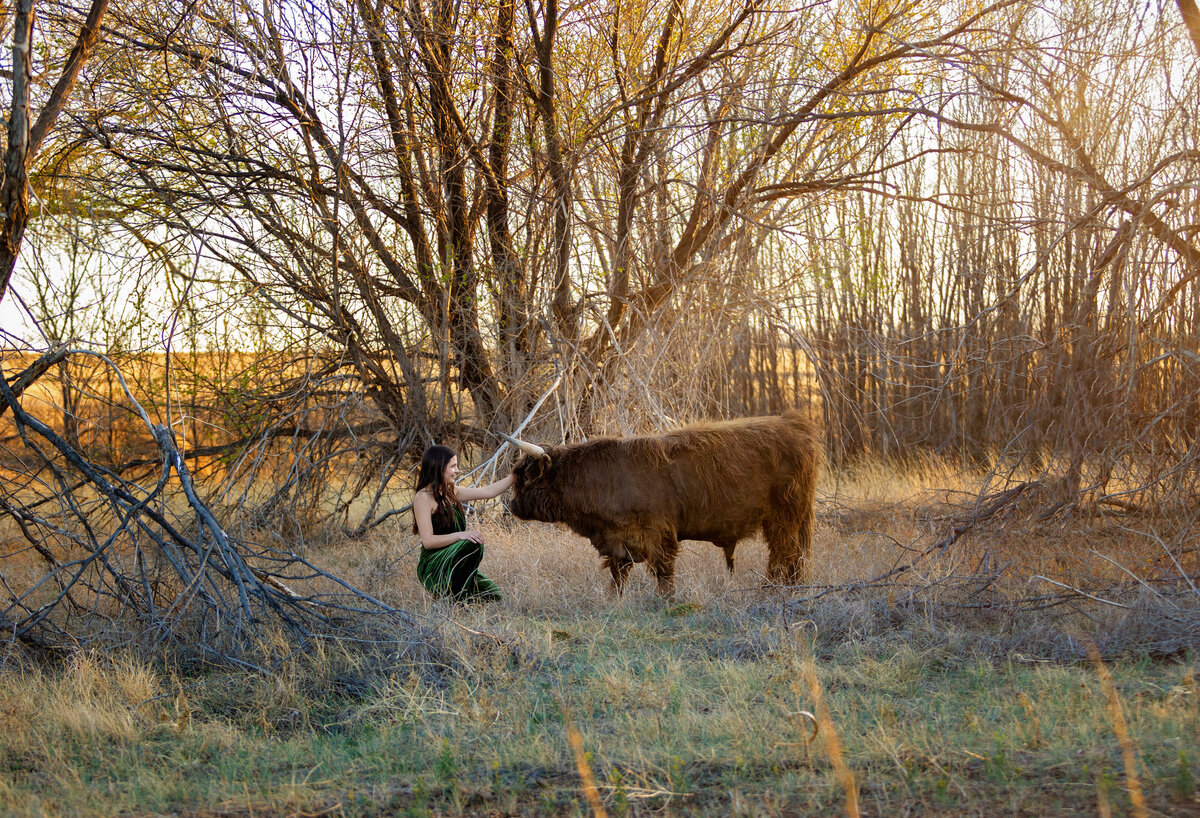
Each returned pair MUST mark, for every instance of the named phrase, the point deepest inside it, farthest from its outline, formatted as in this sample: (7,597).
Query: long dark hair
(433,470)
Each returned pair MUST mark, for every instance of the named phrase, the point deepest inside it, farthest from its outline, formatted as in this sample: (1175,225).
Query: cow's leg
(619,566)
(805,547)
(804,497)
(789,530)
(783,540)
(619,552)
(662,562)
(727,546)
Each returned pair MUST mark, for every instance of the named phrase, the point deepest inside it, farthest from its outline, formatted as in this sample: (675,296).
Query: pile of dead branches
(106,560)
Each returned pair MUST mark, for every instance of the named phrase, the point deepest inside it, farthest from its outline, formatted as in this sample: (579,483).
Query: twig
(1170,554)
(1081,593)
(1134,576)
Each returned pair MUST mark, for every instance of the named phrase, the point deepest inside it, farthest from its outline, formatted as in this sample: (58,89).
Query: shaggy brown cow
(635,498)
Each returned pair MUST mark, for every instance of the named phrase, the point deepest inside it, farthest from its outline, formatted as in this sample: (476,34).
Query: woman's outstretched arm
(488,492)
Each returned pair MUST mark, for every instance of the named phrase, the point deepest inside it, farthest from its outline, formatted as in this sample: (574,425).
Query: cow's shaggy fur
(636,498)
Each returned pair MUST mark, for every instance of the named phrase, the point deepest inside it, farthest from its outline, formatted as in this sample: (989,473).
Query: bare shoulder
(424,498)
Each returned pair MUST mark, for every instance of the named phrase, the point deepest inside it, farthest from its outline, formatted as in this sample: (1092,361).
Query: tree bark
(14,192)
(24,142)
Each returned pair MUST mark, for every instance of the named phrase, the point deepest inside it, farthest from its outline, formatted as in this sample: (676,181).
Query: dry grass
(948,697)
(872,518)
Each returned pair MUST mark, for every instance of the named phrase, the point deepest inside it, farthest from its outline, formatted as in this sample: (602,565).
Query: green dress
(453,571)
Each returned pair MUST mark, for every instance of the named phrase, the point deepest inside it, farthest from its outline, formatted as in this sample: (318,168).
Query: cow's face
(535,493)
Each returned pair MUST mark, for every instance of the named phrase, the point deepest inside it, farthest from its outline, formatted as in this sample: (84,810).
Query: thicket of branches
(323,234)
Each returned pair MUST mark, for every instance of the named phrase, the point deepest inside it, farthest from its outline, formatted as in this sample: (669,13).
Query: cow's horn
(531,449)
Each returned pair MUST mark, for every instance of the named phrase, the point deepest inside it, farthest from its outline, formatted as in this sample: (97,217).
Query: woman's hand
(473,535)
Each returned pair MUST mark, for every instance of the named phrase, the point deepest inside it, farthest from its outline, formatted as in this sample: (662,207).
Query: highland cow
(636,498)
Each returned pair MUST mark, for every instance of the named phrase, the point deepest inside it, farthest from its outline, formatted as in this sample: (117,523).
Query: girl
(450,552)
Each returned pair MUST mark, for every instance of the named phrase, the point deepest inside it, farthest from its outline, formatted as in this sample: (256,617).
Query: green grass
(683,709)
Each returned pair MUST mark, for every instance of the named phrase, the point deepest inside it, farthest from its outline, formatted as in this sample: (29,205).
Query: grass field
(946,689)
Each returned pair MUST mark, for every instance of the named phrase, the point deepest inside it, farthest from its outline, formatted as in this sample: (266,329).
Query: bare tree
(26,134)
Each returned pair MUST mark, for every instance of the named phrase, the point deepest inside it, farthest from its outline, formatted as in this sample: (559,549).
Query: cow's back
(729,476)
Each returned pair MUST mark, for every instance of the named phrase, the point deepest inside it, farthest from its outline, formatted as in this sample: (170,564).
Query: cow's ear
(539,467)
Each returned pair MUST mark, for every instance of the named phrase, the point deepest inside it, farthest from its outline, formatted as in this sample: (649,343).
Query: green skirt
(453,571)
